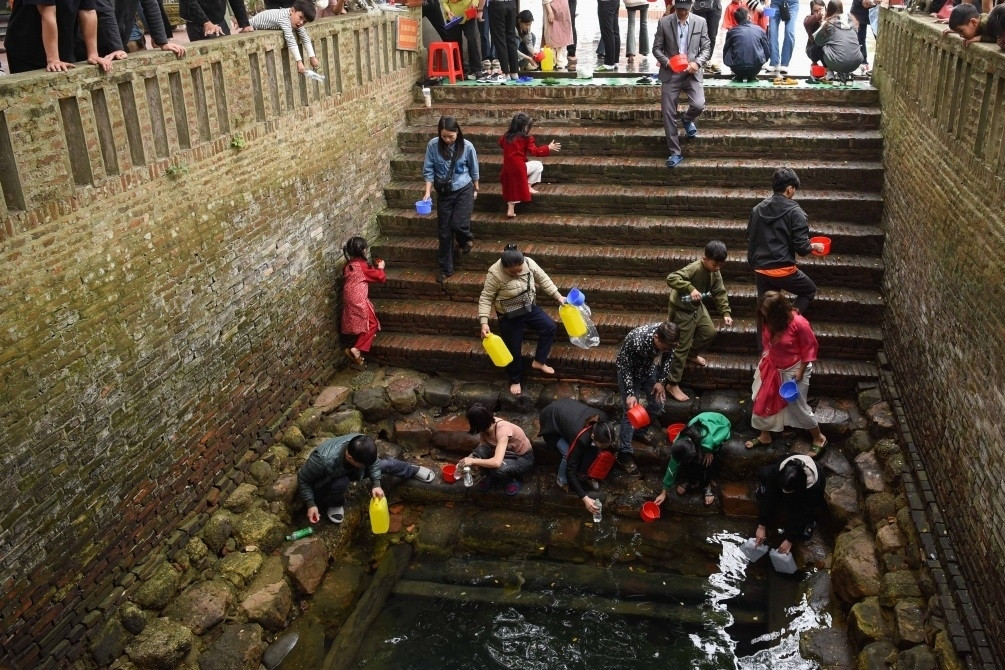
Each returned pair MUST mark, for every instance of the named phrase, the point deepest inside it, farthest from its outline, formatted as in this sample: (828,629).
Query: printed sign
(408,33)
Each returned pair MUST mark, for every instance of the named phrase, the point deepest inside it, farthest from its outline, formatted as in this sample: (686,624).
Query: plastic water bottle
(686,298)
(427,96)
(591,338)
(316,76)
(598,515)
(303,532)
(469,479)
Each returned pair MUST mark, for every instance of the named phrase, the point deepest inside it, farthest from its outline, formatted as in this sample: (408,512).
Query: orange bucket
(638,417)
(470,13)
(673,430)
(678,63)
(818,71)
(826,241)
(448,472)
(650,511)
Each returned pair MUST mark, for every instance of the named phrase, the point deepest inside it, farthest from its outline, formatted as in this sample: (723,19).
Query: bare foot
(677,394)
(515,389)
(697,360)
(546,369)
(511,212)
(534,191)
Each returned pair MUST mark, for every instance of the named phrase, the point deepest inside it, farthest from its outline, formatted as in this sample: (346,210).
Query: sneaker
(690,129)
(784,71)
(466,247)
(484,78)
(336,514)
(499,78)
(714,68)
(606,68)
(674,161)
(486,65)
(627,463)
(496,67)
(424,474)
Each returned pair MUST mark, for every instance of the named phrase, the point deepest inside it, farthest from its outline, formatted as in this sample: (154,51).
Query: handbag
(783,11)
(520,304)
(445,186)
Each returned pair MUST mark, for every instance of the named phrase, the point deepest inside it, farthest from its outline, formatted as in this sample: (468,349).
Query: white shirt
(682,36)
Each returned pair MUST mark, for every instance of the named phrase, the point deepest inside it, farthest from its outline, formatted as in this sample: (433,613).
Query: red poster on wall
(408,33)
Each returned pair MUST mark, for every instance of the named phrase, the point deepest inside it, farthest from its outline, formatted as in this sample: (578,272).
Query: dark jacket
(747,46)
(153,17)
(200,12)
(565,418)
(327,463)
(776,232)
(109,39)
(801,507)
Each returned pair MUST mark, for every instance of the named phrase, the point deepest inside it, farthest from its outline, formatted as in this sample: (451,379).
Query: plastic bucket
(650,511)
(638,417)
(678,63)
(789,391)
(818,71)
(576,297)
(470,13)
(826,241)
(539,56)
(673,430)
(453,22)
(423,206)
(769,11)
(448,472)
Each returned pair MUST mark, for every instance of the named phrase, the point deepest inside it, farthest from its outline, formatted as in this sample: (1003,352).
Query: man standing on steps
(686,34)
(776,233)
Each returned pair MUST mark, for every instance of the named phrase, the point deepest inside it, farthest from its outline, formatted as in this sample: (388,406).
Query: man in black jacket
(207,18)
(776,233)
(746,49)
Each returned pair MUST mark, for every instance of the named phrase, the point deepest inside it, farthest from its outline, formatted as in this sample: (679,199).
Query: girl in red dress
(518,174)
(359,320)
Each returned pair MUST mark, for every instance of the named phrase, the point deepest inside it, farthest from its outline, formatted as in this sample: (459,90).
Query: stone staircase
(613,221)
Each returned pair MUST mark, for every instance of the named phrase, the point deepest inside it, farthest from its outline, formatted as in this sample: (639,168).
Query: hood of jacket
(775,207)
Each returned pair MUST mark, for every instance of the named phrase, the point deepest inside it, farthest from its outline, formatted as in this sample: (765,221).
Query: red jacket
(357,310)
(514,168)
(757,18)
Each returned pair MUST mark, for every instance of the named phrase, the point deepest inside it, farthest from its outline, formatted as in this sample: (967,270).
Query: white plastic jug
(753,553)
(783,563)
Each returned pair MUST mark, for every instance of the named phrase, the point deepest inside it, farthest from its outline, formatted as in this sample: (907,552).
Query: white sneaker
(336,514)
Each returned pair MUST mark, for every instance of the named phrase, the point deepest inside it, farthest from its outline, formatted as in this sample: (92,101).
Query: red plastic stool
(450,52)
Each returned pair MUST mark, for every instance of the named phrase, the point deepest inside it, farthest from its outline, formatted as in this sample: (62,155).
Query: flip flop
(356,360)
(817,449)
(681,490)
(756,442)
(709,493)
(424,474)
(336,514)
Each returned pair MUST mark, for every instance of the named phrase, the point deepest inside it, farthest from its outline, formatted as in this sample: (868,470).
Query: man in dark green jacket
(324,478)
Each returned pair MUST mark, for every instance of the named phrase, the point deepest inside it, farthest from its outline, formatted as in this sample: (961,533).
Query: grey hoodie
(776,232)
(839,38)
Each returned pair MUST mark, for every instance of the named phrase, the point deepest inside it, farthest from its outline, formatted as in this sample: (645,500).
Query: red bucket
(539,56)
(826,241)
(448,472)
(650,511)
(470,13)
(638,417)
(678,63)
(673,430)
(818,71)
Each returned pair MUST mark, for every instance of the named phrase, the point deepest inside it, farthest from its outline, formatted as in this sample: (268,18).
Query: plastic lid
(576,297)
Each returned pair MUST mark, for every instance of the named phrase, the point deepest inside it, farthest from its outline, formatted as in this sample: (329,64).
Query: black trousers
(503,28)
(712,17)
(469,30)
(571,49)
(453,218)
(610,32)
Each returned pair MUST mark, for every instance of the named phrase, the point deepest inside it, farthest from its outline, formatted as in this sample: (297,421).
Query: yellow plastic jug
(548,62)
(575,325)
(497,350)
(380,520)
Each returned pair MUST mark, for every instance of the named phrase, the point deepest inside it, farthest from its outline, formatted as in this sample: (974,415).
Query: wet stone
(438,392)
(157,589)
(305,562)
(867,622)
(896,586)
(261,472)
(202,606)
(737,463)
(108,643)
(729,403)
(673,411)
(870,473)
(403,394)
(889,539)
(451,434)
(477,392)
(813,552)
(868,398)
(817,589)
(336,597)
(553,392)
(239,567)
(239,647)
(414,432)
(893,470)
(199,555)
(269,606)
(916,658)
(343,423)
(217,530)
(832,417)
(284,489)
(294,438)
(827,646)
(881,421)
(944,652)
(259,528)
(308,421)
(842,499)
(133,618)
(836,463)
(602,399)
(879,507)
(879,655)
(331,398)
(373,403)
(162,644)
(439,531)
(242,498)
(856,570)
(738,500)
(859,441)
(910,615)
(886,449)
(523,403)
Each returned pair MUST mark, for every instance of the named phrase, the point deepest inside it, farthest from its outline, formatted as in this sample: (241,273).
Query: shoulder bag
(445,186)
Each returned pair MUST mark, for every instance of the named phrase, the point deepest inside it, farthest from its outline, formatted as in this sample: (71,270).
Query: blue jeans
(563,446)
(789,43)
(626,432)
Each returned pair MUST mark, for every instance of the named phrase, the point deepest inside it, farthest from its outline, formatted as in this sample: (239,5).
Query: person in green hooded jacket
(692,456)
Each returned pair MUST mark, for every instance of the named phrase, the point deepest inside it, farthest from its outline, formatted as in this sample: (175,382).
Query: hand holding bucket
(789,391)
(678,63)
(825,241)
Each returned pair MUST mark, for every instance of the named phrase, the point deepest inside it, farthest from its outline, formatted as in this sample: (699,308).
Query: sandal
(336,514)
(681,490)
(709,496)
(514,487)
(756,442)
(356,360)
(817,449)
(424,474)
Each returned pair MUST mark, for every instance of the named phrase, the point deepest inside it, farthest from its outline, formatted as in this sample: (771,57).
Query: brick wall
(944,124)
(170,238)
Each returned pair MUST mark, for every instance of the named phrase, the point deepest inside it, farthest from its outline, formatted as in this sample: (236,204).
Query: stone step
(587,95)
(765,144)
(837,340)
(489,227)
(672,200)
(629,261)
(699,172)
(464,355)
(604,293)
(783,116)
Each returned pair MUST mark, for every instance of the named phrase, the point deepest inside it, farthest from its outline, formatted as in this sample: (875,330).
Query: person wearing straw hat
(681,33)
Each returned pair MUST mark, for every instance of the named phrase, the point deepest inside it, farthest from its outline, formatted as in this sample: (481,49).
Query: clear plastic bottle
(591,338)
(469,479)
(599,514)
(686,297)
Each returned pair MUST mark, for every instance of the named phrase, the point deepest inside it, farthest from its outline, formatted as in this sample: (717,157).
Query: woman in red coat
(359,319)
(518,174)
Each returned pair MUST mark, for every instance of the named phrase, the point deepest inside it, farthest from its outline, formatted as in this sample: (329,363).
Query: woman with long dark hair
(789,350)
(519,175)
(582,434)
(451,166)
(504,453)
(511,289)
(359,319)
